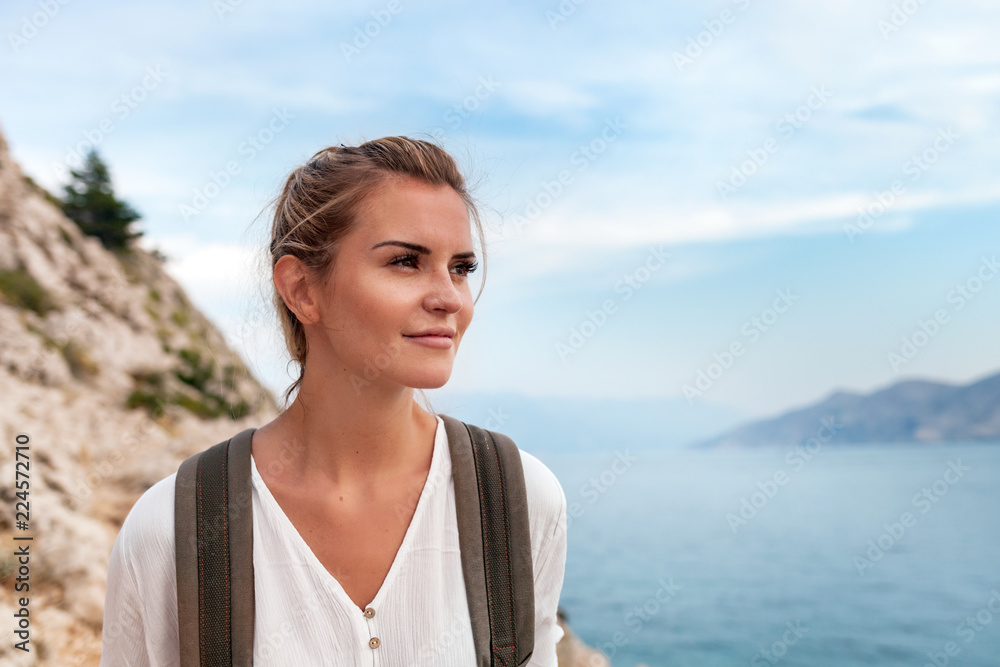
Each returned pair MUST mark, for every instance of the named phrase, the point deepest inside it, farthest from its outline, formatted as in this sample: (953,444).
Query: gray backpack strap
(213,533)
(495,539)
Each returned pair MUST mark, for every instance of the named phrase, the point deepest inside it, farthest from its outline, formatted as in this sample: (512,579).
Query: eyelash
(466,266)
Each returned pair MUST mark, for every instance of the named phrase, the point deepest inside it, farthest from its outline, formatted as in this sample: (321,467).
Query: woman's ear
(296,290)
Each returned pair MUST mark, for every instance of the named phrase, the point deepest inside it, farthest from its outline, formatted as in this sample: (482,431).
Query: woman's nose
(443,292)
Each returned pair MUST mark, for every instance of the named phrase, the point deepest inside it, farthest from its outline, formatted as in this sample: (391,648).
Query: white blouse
(303,616)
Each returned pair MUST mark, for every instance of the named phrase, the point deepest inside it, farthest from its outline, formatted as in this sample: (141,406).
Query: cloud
(685,224)
(212,273)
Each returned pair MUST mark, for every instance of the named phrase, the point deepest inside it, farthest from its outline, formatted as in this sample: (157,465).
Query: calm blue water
(653,557)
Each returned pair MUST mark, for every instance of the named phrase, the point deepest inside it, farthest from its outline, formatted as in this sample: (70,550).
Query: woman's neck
(350,435)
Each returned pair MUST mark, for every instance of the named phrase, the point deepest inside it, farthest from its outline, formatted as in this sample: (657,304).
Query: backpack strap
(495,540)
(213,533)
(213,524)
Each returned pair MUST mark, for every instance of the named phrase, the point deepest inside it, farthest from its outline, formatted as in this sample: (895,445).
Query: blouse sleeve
(123,639)
(140,604)
(547,509)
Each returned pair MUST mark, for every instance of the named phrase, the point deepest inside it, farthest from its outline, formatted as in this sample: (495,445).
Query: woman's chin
(429,378)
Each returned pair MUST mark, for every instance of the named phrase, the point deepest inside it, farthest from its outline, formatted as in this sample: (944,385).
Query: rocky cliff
(110,377)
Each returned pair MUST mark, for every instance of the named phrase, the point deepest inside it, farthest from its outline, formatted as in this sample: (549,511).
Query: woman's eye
(404,260)
(465,268)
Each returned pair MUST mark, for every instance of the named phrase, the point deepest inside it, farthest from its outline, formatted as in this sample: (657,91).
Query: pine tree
(90,202)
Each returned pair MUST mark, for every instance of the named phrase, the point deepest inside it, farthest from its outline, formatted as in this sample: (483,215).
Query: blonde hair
(320,202)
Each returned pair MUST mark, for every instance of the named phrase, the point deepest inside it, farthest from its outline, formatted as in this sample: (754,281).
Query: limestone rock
(114,377)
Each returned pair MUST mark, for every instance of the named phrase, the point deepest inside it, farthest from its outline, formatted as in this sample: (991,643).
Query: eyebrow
(423,249)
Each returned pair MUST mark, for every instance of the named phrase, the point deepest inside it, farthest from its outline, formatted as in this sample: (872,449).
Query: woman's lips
(439,342)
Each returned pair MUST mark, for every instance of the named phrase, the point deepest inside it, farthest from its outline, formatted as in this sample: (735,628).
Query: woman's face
(403,271)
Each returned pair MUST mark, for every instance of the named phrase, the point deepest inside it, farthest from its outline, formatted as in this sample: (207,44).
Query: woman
(356,558)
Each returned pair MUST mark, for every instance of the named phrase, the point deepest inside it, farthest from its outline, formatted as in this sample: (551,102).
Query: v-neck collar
(440,446)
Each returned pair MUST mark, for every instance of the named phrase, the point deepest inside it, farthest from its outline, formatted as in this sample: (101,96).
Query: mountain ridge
(911,410)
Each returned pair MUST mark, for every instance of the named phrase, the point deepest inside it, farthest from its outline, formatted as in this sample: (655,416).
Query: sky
(738,203)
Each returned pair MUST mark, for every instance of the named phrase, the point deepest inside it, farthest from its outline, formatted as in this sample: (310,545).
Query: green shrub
(194,373)
(239,410)
(23,291)
(150,392)
(200,408)
(141,399)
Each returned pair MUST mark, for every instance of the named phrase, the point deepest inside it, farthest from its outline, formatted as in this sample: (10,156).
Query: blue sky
(737,141)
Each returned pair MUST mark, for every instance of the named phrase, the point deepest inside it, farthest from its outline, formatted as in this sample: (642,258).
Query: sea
(839,555)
